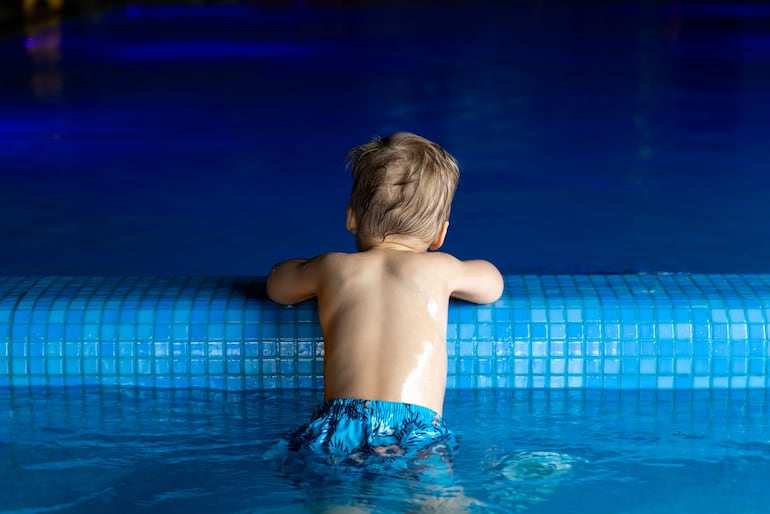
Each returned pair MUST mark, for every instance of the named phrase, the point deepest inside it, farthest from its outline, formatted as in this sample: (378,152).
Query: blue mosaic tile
(557,331)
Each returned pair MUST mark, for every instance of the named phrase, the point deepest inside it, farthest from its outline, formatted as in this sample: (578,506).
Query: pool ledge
(635,331)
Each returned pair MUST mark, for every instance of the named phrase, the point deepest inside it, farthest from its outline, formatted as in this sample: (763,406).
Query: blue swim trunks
(353,431)
(343,454)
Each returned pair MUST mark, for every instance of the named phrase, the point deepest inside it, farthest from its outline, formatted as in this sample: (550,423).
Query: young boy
(383,310)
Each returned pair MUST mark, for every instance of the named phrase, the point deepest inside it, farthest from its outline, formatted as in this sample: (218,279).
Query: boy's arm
(293,281)
(478,281)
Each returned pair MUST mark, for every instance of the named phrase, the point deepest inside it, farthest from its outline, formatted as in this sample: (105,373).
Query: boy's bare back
(383,313)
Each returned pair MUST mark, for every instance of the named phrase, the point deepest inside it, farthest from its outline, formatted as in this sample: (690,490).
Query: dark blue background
(210,139)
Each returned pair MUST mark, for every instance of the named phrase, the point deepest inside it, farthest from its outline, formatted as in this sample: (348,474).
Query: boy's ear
(439,239)
(351,223)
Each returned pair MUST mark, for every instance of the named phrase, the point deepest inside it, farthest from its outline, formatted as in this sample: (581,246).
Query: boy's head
(403,185)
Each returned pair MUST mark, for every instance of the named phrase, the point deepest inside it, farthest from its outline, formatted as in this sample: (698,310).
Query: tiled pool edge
(635,331)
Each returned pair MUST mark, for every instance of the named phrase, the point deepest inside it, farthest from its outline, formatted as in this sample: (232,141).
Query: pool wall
(635,331)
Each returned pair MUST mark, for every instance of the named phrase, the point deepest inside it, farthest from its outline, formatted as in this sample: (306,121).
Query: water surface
(128,450)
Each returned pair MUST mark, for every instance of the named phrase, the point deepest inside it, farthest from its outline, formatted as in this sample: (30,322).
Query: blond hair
(402,184)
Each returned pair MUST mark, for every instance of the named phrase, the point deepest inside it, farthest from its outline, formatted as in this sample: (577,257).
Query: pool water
(209,138)
(128,450)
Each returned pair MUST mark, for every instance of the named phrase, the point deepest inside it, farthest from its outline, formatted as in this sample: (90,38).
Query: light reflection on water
(164,451)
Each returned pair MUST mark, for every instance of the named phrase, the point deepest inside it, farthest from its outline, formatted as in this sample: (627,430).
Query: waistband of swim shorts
(379,407)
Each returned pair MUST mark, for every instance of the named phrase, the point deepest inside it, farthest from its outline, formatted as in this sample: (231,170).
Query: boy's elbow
(493,283)
(495,288)
(276,287)
(500,287)
(286,285)
(273,291)
(282,296)
(485,287)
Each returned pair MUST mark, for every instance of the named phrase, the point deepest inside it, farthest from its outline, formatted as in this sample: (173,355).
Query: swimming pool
(525,451)
(148,154)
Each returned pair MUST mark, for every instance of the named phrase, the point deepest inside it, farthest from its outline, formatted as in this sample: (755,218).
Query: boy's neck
(391,242)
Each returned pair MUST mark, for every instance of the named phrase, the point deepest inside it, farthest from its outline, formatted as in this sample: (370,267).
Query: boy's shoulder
(329,261)
(324,258)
